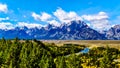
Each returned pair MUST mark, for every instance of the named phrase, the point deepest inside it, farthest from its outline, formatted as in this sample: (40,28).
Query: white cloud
(7,18)
(98,21)
(100,24)
(54,22)
(88,24)
(3,8)
(28,25)
(99,16)
(6,25)
(66,17)
(36,16)
(43,17)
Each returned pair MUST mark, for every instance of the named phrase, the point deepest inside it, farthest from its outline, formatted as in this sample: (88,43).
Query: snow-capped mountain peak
(74,30)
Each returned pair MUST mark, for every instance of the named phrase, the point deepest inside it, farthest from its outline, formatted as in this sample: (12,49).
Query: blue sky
(41,12)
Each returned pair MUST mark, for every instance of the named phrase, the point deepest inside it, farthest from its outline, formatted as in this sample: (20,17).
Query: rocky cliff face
(113,33)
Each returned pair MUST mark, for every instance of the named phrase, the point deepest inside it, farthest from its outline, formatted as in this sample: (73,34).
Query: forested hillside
(35,54)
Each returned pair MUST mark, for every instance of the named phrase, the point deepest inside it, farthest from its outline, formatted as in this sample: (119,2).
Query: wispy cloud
(66,17)
(9,25)
(6,25)
(7,18)
(45,17)
(99,16)
(98,21)
(42,17)
(59,16)
(3,8)
(28,25)
(54,22)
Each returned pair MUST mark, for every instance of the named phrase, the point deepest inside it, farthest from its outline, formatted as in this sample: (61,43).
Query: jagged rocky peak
(76,22)
(113,33)
(49,26)
(117,26)
(75,30)
(115,29)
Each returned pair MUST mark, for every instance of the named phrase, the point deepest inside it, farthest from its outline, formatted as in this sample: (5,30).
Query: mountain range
(75,30)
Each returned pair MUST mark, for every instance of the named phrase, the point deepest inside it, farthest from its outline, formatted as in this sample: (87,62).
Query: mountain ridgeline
(75,30)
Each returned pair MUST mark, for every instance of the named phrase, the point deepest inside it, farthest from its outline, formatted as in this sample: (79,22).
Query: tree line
(36,54)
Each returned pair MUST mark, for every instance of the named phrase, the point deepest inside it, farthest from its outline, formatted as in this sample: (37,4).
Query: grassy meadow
(87,43)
